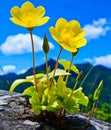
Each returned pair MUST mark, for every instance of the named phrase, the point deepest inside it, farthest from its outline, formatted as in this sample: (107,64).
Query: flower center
(65,38)
(66,35)
(27,18)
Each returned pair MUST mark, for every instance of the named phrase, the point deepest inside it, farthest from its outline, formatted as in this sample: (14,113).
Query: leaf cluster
(55,97)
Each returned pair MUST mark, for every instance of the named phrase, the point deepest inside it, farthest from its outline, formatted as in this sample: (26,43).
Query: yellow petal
(18,22)
(39,12)
(68,47)
(27,7)
(80,43)
(60,24)
(79,35)
(42,21)
(15,12)
(74,24)
(54,34)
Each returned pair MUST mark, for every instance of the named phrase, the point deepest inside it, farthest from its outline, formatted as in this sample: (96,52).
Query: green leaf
(66,65)
(72,106)
(29,91)
(61,86)
(45,97)
(37,109)
(49,95)
(38,76)
(17,83)
(55,105)
(58,73)
(41,87)
(79,95)
(35,99)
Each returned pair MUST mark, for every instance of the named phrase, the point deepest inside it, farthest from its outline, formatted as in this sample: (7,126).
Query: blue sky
(93,15)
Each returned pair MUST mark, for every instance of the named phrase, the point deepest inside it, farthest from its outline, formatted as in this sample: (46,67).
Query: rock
(99,125)
(12,117)
(28,122)
(2,128)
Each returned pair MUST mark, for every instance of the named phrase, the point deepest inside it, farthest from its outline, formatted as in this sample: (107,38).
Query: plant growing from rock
(49,92)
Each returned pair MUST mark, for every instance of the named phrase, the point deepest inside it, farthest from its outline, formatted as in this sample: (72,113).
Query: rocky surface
(12,117)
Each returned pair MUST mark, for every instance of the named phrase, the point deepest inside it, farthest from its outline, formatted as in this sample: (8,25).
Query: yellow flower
(28,16)
(69,35)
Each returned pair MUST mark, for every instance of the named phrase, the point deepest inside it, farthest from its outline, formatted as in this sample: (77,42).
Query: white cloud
(97,28)
(8,68)
(21,43)
(21,71)
(100,22)
(102,60)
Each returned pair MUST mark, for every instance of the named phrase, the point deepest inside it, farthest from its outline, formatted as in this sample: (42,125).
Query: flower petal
(27,7)
(79,35)
(42,21)
(81,42)
(54,33)
(74,25)
(17,21)
(60,24)
(39,12)
(15,12)
(68,47)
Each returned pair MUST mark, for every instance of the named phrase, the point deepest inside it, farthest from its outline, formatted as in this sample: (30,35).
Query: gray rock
(28,122)
(13,106)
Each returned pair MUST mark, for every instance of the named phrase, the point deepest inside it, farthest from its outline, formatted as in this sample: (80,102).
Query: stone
(12,117)
(28,122)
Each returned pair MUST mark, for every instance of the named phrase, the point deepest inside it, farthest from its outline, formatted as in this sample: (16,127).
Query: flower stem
(92,111)
(33,59)
(69,68)
(55,66)
(75,85)
(47,67)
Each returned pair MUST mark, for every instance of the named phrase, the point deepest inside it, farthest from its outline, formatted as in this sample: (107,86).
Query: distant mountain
(97,74)
(10,76)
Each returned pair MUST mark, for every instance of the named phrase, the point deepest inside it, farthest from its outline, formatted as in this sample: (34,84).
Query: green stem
(55,66)
(75,85)
(47,67)
(92,111)
(86,76)
(33,59)
(69,68)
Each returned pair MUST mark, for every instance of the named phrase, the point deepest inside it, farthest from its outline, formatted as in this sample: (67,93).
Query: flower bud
(98,91)
(45,45)
(75,53)
(79,76)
